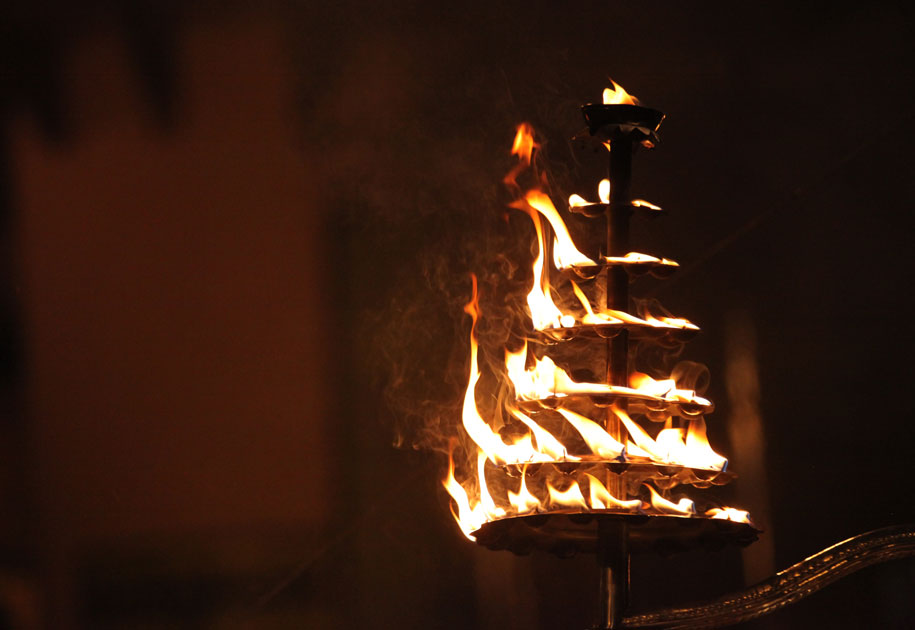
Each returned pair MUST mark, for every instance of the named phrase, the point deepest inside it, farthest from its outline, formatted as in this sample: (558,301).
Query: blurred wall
(174,313)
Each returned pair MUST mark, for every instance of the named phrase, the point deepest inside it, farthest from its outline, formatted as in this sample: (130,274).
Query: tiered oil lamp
(620,460)
(578,471)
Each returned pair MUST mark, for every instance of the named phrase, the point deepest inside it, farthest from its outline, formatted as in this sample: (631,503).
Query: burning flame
(590,317)
(730,514)
(666,389)
(545,379)
(603,191)
(637,258)
(468,518)
(544,312)
(599,441)
(684,507)
(546,443)
(577,201)
(488,495)
(565,248)
(489,506)
(641,203)
(523,501)
(489,442)
(601,499)
(524,144)
(670,447)
(523,147)
(618,96)
(546,315)
(570,498)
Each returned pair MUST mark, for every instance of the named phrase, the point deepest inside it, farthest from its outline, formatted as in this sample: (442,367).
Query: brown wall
(172,296)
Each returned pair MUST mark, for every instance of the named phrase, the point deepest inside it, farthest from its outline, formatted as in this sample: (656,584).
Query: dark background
(227,228)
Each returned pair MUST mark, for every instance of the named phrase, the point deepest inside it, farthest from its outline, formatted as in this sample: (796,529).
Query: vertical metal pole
(618,214)
(613,552)
(613,559)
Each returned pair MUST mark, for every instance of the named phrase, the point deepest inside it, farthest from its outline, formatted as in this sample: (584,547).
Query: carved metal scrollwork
(788,586)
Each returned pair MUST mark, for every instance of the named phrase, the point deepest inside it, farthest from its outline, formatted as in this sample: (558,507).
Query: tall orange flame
(544,312)
(489,442)
(566,252)
(468,518)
